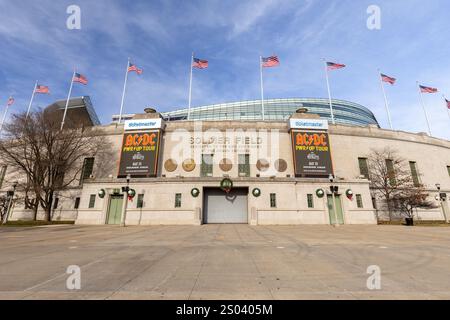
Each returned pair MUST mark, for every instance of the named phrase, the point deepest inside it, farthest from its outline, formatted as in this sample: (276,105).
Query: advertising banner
(139,154)
(312,157)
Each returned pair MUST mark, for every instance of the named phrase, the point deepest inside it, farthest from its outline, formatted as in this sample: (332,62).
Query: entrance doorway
(115,209)
(331,209)
(220,207)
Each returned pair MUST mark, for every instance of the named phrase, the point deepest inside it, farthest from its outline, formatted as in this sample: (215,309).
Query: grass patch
(23,223)
(417,223)
(391,223)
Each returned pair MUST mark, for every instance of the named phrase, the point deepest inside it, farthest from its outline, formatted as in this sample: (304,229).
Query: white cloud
(231,34)
(248,14)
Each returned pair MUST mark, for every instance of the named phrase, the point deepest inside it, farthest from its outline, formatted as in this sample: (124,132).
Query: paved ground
(225,262)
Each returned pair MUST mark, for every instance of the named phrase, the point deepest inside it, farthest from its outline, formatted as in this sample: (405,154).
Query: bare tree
(409,199)
(4,203)
(388,175)
(45,159)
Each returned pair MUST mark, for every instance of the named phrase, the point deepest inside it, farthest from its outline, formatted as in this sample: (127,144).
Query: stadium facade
(226,165)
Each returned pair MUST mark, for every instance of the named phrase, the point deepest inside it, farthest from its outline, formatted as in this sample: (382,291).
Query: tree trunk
(47,213)
(388,201)
(48,209)
(35,211)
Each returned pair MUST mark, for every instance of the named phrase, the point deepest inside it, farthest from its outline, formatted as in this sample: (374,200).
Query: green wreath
(195,192)
(226,185)
(320,193)
(256,192)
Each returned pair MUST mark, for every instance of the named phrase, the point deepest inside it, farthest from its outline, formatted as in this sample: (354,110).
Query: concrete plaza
(225,262)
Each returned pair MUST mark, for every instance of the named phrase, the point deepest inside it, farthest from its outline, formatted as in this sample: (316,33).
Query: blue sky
(159,36)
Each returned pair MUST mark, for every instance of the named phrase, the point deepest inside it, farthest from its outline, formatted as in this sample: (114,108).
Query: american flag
(334,66)
(80,78)
(424,89)
(133,67)
(388,79)
(200,64)
(448,104)
(10,101)
(271,61)
(42,89)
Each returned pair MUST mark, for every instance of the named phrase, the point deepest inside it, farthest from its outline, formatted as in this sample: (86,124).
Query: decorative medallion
(188,165)
(281,165)
(170,165)
(262,165)
(226,165)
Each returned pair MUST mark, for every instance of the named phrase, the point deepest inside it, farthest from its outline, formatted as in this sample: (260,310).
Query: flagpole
(329,93)
(386,101)
(4,118)
(262,87)
(31,100)
(190,88)
(123,92)
(67,102)
(446,105)
(423,107)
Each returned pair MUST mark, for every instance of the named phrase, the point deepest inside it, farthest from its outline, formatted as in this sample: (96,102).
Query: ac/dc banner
(139,154)
(312,157)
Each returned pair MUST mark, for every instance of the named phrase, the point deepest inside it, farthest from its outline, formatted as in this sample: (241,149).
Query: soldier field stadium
(225,163)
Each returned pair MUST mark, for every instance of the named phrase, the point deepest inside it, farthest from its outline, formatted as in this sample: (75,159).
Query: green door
(115,210)
(331,206)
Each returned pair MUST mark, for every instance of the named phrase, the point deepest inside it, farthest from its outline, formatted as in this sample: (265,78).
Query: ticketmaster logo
(142,124)
(309,124)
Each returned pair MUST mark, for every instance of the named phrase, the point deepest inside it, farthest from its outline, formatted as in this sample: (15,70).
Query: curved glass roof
(345,112)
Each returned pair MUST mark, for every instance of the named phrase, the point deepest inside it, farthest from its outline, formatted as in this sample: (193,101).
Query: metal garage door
(222,208)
